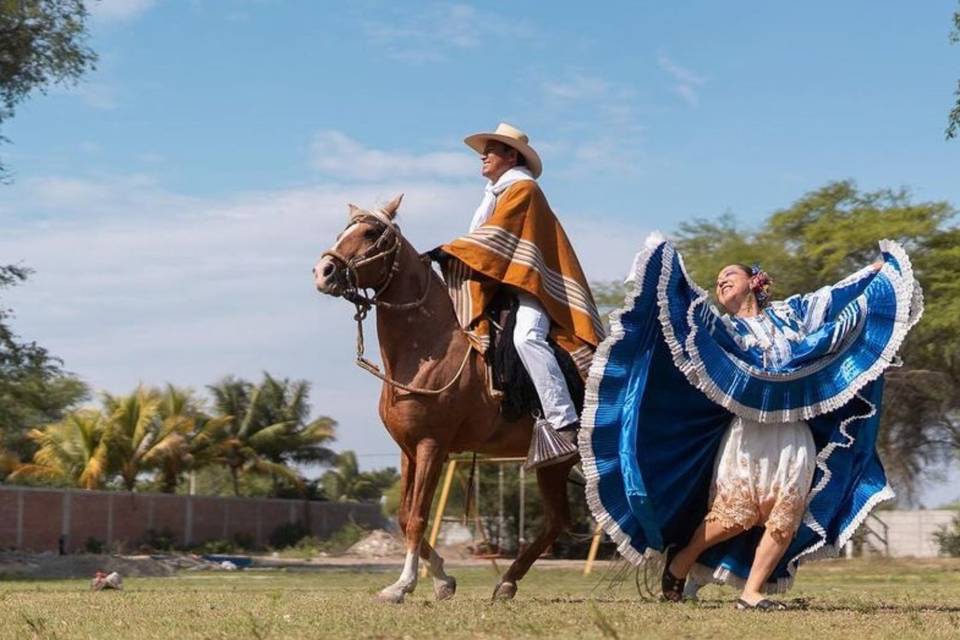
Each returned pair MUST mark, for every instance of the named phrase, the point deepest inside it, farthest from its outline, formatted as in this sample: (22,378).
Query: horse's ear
(352,211)
(391,207)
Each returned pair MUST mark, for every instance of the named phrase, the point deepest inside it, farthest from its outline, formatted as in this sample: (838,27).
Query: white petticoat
(762,476)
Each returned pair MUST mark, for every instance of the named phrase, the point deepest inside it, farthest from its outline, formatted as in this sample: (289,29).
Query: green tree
(268,430)
(73,452)
(953,120)
(190,437)
(152,430)
(34,389)
(42,42)
(345,481)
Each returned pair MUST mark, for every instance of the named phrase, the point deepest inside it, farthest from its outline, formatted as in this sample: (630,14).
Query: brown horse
(435,399)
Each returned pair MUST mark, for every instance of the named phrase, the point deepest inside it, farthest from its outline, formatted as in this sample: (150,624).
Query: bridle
(387,247)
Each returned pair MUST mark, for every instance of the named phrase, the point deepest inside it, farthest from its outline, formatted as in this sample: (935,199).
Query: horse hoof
(505,591)
(445,589)
(390,596)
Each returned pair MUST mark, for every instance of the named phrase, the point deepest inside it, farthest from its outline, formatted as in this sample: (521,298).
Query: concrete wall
(34,519)
(910,533)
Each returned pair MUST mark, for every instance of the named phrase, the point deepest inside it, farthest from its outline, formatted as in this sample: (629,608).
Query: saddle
(510,377)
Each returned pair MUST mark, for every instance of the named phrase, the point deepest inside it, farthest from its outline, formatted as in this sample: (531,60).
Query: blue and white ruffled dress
(675,373)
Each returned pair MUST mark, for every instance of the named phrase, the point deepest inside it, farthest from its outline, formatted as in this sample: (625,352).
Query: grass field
(856,599)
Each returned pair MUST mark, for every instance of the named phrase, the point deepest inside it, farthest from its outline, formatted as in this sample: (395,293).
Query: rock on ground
(377,544)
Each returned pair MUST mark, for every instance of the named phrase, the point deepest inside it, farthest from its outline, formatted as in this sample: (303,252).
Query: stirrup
(546,447)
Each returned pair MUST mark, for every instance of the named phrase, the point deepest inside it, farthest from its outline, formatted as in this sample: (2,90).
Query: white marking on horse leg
(407,581)
(411,563)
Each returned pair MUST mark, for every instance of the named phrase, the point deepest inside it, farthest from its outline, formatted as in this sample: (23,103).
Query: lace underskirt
(762,476)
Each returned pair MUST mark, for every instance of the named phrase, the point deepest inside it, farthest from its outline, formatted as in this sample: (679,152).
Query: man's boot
(551,446)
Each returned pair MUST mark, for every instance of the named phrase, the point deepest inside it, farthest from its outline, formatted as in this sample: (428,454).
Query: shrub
(309,546)
(245,541)
(92,545)
(161,540)
(948,538)
(344,538)
(288,535)
(216,547)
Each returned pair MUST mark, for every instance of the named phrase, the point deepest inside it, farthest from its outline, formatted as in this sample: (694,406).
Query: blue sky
(174,202)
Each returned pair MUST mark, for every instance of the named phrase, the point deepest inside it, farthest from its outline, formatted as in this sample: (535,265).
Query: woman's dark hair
(761,292)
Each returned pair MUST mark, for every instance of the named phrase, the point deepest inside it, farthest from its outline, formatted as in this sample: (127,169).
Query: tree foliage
(153,437)
(268,429)
(42,42)
(828,234)
(151,429)
(34,389)
(953,120)
(345,481)
(72,452)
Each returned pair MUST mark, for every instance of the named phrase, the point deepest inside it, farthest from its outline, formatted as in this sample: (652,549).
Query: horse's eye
(371,234)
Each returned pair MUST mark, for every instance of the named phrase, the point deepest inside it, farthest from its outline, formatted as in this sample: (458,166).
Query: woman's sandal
(670,585)
(763,605)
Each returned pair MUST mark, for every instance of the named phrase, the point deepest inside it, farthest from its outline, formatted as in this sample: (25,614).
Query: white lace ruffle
(636,283)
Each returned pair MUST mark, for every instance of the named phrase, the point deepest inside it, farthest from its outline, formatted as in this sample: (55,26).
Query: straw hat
(512,137)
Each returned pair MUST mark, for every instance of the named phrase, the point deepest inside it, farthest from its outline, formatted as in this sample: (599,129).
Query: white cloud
(686,81)
(577,86)
(598,120)
(340,156)
(135,282)
(119,10)
(99,95)
(441,30)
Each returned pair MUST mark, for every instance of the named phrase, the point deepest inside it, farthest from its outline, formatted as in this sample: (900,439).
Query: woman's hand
(876,266)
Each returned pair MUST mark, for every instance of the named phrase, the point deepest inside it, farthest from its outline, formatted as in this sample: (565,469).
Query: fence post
(259,522)
(19,519)
(65,520)
(109,520)
(188,524)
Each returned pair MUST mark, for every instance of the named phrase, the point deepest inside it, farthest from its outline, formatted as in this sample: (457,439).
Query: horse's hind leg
(415,506)
(444,586)
(552,481)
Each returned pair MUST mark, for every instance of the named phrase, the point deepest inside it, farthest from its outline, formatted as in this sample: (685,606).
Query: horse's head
(364,255)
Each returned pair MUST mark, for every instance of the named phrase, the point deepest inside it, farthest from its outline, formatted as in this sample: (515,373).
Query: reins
(364,302)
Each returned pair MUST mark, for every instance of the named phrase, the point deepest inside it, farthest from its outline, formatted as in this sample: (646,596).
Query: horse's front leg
(417,495)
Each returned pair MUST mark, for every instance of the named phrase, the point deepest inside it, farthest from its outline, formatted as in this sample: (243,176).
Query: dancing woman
(742,441)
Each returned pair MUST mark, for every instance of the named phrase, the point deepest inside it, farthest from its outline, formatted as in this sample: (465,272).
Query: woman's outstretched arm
(815,308)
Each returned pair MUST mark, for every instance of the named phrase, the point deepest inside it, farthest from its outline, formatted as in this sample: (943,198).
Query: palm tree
(267,430)
(284,405)
(345,481)
(8,463)
(152,429)
(74,450)
(132,423)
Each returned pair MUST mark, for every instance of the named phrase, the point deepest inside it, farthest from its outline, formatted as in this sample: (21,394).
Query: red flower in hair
(760,282)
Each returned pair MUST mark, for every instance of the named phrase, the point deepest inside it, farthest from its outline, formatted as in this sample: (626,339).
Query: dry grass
(879,599)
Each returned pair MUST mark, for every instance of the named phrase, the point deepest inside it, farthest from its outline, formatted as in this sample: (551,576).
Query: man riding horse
(516,242)
(435,399)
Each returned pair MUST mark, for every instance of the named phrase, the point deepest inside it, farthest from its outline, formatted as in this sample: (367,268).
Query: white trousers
(530,338)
